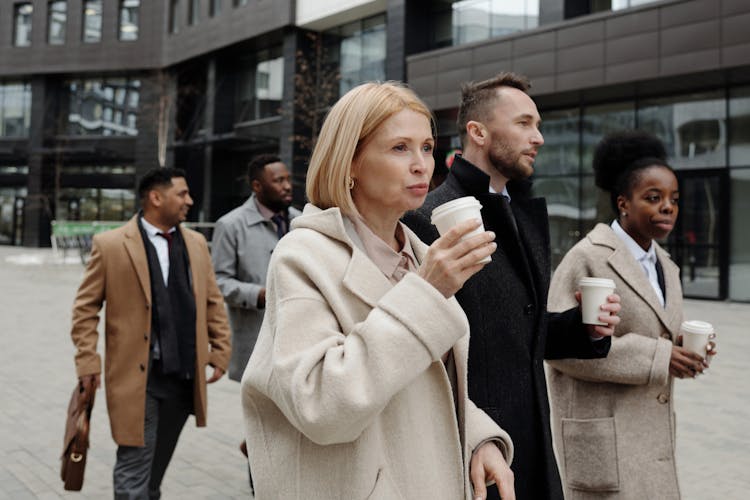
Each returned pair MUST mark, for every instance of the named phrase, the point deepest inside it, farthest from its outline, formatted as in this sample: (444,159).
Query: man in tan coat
(165,322)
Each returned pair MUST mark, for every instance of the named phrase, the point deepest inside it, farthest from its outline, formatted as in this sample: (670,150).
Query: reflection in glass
(562,195)
(359,49)
(601,120)
(174,16)
(739,127)
(22,13)
(11,198)
(560,152)
(129,20)
(96,107)
(692,126)
(57,12)
(474,20)
(260,86)
(739,262)
(92,21)
(15,109)
(695,245)
(90,204)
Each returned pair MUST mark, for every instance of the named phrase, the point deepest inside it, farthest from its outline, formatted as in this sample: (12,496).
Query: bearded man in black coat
(506,302)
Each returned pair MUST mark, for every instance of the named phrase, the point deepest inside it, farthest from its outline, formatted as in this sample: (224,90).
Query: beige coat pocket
(590,454)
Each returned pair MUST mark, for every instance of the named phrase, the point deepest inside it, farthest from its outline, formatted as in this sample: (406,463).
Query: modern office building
(95,92)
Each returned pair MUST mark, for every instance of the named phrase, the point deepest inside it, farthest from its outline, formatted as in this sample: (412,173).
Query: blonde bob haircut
(350,124)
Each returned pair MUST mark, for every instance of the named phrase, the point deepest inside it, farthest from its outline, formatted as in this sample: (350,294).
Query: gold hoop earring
(624,214)
(350,183)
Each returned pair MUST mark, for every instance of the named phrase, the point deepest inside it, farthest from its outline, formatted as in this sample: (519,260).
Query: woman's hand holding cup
(450,261)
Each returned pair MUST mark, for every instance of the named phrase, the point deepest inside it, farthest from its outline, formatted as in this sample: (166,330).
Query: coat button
(528,309)
(666,335)
(662,398)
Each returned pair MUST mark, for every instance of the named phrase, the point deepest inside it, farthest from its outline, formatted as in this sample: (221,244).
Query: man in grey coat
(242,244)
(241,248)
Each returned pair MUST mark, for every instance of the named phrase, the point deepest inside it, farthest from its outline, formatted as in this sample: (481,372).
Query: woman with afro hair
(613,419)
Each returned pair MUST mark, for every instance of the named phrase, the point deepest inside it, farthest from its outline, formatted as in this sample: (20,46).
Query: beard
(504,158)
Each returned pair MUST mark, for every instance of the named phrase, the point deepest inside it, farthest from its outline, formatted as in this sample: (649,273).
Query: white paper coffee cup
(695,336)
(594,293)
(447,215)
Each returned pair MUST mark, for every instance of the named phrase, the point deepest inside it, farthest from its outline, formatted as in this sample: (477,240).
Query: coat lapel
(136,251)
(631,272)
(364,279)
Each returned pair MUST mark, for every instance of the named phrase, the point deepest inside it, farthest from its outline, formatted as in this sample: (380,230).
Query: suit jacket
(511,331)
(613,419)
(241,247)
(117,274)
(345,395)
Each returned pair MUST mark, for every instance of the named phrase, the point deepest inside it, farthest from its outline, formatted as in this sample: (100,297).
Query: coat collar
(362,277)
(631,272)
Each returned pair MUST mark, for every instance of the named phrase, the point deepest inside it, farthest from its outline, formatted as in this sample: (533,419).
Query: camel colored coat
(345,395)
(613,418)
(118,275)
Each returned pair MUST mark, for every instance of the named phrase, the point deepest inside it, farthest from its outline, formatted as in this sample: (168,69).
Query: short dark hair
(257,164)
(621,157)
(477,98)
(157,177)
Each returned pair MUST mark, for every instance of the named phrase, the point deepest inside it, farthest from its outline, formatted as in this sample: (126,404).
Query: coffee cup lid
(458,203)
(695,326)
(603,282)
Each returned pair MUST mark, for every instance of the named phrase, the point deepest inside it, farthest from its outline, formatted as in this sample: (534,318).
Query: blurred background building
(95,92)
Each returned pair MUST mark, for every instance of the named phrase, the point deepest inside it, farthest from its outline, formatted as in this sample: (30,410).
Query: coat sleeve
(329,383)
(219,336)
(633,358)
(567,337)
(480,428)
(88,302)
(224,254)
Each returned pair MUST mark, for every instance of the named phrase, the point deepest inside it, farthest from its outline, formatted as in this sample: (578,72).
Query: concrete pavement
(37,376)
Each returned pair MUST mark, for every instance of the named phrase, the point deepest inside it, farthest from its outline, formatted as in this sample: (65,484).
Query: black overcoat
(511,331)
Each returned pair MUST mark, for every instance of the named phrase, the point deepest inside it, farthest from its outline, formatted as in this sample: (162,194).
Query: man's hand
(488,464)
(93,381)
(609,315)
(218,373)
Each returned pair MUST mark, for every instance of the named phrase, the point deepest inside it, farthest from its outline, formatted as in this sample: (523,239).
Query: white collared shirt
(161,246)
(504,192)
(647,259)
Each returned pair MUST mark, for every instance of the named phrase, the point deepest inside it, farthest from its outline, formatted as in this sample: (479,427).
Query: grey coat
(613,419)
(241,247)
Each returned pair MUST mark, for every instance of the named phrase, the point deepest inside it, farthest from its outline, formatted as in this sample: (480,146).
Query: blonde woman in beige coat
(357,386)
(613,419)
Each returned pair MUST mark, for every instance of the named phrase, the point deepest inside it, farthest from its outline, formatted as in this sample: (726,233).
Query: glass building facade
(15,109)
(107,106)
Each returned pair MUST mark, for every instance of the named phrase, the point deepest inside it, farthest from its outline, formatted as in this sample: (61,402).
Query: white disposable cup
(594,293)
(447,215)
(695,336)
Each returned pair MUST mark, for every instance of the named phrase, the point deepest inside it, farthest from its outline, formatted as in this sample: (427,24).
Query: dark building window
(174,16)
(215,8)
(103,106)
(22,13)
(15,109)
(129,19)
(194,12)
(57,14)
(260,86)
(359,50)
(92,21)
(240,3)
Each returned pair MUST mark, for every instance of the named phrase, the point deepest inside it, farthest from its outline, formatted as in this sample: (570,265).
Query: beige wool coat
(117,276)
(345,395)
(613,418)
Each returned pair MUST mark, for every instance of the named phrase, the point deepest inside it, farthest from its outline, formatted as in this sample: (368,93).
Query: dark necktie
(508,212)
(168,237)
(660,279)
(280,222)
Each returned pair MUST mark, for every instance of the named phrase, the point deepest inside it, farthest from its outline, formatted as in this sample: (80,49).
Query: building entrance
(700,242)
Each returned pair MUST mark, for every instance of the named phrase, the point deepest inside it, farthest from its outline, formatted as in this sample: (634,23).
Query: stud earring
(350,183)
(624,214)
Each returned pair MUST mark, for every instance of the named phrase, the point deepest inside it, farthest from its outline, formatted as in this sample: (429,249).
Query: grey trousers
(139,470)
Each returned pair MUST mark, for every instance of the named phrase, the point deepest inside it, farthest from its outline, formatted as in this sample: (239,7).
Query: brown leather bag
(76,441)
